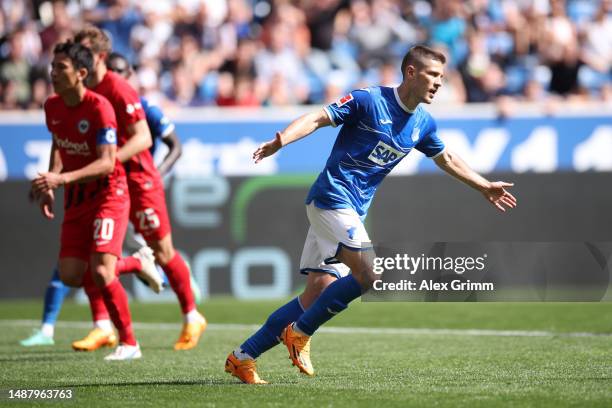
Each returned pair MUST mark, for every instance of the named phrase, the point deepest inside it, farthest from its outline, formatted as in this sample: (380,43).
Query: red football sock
(96,300)
(177,272)
(128,264)
(116,302)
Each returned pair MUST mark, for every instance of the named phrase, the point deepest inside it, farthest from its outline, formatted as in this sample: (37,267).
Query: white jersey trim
(168,131)
(329,115)
(399,101)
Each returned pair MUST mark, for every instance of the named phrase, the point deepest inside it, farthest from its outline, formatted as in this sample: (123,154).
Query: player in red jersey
(148,212)
(83,160)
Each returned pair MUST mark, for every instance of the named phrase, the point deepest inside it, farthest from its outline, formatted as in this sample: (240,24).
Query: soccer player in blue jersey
(380,126)
(161,129)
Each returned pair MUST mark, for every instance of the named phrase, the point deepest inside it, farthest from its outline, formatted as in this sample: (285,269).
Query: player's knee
(102,274)
(314,288)
(163,255)
(366,278)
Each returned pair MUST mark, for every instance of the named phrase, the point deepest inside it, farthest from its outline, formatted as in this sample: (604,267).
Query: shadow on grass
(210,381)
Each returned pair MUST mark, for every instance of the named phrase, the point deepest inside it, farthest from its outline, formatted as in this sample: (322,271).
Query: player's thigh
(103,267)
(75,236)
(75,241)
(109,225)
(316,282)
(313,260)
(72,270)
(335,229)
(361,264)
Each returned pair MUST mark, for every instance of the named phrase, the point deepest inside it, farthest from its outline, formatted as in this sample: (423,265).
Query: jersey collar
(399,101)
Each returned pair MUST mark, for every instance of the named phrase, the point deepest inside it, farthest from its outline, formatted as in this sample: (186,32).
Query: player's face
(64,76)
(429,80)
(120,66)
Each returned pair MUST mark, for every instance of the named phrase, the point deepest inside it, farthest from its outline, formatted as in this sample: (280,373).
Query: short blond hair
(98,40)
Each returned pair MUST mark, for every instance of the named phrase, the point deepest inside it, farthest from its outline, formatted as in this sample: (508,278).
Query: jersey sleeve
(127,105)
(159,124)
(106,132)
(348,108)
(431,145)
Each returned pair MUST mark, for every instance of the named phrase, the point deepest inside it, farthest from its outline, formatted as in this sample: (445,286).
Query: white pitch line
(335,330)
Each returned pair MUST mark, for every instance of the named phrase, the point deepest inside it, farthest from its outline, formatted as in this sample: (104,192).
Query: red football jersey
(77,131)
(128,109)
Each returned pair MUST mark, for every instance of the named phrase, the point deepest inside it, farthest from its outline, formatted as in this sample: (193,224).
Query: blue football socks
(334,299)
(54,297)
(268,335)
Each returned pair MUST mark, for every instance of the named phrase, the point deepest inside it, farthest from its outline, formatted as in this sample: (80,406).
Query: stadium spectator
(597,50)
(15,73)
(535,49)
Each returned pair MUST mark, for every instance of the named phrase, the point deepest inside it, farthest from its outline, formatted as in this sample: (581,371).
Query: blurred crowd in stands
(190,53)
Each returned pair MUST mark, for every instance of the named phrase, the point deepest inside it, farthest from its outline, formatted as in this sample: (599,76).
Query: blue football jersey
(159,124)
(378,131)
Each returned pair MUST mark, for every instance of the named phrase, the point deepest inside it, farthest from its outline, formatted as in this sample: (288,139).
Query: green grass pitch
(560,354)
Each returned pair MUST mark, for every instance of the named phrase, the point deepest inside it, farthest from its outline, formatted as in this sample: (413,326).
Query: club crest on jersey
(415,134)
(384,154)
(83,126)
(344,100)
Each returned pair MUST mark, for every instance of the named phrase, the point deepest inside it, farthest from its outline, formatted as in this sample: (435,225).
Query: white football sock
(193,316)
(104,325)
(297,329)
(241,355)
(48,329)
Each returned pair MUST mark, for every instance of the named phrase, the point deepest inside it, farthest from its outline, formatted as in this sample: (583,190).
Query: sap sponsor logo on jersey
(81,149)
(384,154)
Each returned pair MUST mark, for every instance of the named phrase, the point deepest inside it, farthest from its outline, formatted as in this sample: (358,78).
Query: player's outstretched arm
(299,128)
(495,192)
(174,152)
(139,141)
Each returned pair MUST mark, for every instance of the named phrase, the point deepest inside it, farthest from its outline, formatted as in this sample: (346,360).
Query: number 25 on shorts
(148,219)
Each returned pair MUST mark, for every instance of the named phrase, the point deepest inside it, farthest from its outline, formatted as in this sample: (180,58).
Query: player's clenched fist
(47,181)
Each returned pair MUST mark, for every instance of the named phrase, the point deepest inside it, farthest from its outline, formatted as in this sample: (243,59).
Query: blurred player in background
(381,125)
(96,211)
(148,212)
(161,128)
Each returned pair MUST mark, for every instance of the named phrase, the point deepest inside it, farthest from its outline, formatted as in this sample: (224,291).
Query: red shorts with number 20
(101,229)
